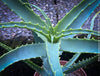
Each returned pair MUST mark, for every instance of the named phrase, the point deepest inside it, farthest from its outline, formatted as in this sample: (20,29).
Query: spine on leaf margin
(79,64)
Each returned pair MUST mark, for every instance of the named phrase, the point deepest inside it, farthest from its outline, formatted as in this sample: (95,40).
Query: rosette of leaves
(49,40)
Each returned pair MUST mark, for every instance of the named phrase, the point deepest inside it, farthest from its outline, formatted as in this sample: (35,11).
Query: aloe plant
(49,40)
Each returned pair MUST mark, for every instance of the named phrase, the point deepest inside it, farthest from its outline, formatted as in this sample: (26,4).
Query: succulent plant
(50,41)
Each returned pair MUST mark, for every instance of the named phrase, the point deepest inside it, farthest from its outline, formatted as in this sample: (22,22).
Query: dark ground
(55,9)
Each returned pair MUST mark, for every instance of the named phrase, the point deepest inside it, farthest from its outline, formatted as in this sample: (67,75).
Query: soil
(55,9)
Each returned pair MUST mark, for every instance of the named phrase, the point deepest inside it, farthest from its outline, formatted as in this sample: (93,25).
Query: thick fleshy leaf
(79,65)
(46,66)
(22,53)
(53,58)
(27,61)
(92,23)
(72,60)
(77,31)
(83,16)
(37,39)
(42,12)
(80,45)
(24,12)
(35,27)
(73,15)
(40,31)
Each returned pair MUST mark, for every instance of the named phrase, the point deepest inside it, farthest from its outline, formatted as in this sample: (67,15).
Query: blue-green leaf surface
(43,13)
(53,58)
(79,21)
(40,31)
(46,66)
(22,53)
(80,45)
(79,65)
(37,39)
(24,12)
(28,25)
(27,61)
(72,60)
(77,31)
(72,15)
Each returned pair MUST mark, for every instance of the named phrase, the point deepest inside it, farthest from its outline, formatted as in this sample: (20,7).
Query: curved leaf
(41,31)
(77,31)
(72,60)
(43,13)
(22,53)
(28,25)
(71,33)
(27,61)
(24,12)
(72,15)
(83,16)
(79,65)
(80,45)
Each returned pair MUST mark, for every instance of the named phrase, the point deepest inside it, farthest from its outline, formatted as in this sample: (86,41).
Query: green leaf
(80,45)
(43,13)
(22,53)
(41,31)
(46,66)
(37,39)
(28,25)
(24,0)
(79,65)
(28,62)
(77,31)
(24,12)
(53,58)
(5,47)
(72,60)
(83,16)
(77,16)
(36,67)
(92,23)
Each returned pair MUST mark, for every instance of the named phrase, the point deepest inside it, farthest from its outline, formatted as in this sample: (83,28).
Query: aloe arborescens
(49,41)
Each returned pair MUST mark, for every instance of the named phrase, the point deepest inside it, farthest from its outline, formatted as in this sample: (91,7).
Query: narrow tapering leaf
(72,15)
(83,16)
(22,53)
(80,45)
(27,25)
(24,12)
(43,13)
(72,60)
(80,64)
(77,31)
(27,61)
(40,31)
(92,23)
